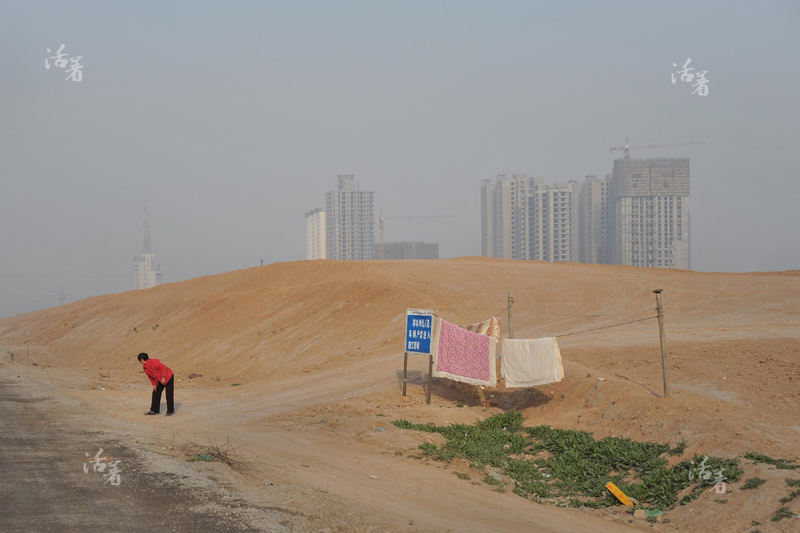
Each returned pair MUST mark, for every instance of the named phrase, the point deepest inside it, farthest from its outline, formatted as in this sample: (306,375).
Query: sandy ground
(300,367)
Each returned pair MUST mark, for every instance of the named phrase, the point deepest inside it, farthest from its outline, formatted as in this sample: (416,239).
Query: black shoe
(151,413)
(170,413)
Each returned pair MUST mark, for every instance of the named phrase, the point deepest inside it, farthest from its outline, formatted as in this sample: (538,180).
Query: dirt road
(45,438)
(292,478)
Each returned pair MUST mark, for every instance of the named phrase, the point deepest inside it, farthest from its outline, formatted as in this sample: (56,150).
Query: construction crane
(628,148)
(409,218)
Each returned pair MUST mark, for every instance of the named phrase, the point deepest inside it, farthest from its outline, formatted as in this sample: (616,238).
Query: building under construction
(649,212)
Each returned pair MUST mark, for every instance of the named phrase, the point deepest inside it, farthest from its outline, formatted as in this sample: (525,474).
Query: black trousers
(155,406)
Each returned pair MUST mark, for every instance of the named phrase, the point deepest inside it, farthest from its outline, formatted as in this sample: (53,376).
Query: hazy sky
(232,119)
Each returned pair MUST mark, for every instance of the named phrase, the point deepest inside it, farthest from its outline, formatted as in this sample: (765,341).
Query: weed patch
(792,495)
(492,481)
(569,467)
(753,483)
(780,464)
(782,513)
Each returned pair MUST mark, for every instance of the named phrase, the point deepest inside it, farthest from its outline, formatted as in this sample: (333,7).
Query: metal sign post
(419,334)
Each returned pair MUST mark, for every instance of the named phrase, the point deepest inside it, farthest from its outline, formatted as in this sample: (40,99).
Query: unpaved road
(44,439)
(294,478)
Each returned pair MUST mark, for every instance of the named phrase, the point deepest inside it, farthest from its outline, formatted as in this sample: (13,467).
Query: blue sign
(419,330)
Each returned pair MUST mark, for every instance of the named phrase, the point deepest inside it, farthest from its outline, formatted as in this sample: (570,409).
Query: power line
(584,316)
(606,327)
(500,312)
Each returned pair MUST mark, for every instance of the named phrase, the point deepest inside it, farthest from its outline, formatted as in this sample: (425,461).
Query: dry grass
(213,451)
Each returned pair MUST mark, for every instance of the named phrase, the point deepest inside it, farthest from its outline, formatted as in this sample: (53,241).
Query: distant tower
(505,216)
(649,210)
(144,273)
(349,222)
(62,297)
(316,234)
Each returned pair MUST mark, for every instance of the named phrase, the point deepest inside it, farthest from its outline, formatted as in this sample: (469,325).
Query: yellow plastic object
(619,494)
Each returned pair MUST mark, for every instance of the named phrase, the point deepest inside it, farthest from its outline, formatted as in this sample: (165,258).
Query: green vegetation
(570,467)
(792,495)
(780,464)
(754,483)
(461,475)
(205,458)
(492,481)
(782,513)
(793,482)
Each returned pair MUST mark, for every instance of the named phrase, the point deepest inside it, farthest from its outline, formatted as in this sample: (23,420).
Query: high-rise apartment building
(638,215)
(350,221)
(315,234)
(554,231)
(145,275)
(594,219)
(504,215)
(649,212)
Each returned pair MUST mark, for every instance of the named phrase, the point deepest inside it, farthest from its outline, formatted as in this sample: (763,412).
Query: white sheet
(531,362)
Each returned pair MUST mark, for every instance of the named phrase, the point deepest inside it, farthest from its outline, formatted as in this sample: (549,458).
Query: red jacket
(156,370)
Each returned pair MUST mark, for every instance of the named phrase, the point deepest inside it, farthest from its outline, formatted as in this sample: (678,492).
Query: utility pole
(510,323)
(27,346)
(663,338)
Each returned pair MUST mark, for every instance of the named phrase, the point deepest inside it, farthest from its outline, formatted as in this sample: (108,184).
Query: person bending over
(162,378)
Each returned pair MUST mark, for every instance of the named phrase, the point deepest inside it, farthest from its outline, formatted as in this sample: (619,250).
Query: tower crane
(382,218)
(628,148)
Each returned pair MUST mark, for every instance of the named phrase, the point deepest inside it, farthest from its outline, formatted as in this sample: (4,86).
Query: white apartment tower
(315,234)
(649,212)
(350,221)
(145,275)
(554,230)
(638,215)
(504,215)
(594,205)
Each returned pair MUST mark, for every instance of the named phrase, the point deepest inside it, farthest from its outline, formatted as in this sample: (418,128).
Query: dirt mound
(318,345)
(266,321)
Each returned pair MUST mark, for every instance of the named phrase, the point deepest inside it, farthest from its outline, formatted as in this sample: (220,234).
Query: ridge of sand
(317,347)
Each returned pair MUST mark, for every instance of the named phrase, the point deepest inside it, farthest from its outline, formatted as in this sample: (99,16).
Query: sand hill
(316,350)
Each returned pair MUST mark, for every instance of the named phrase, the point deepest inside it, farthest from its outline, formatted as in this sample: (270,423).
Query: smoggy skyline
(233,120)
